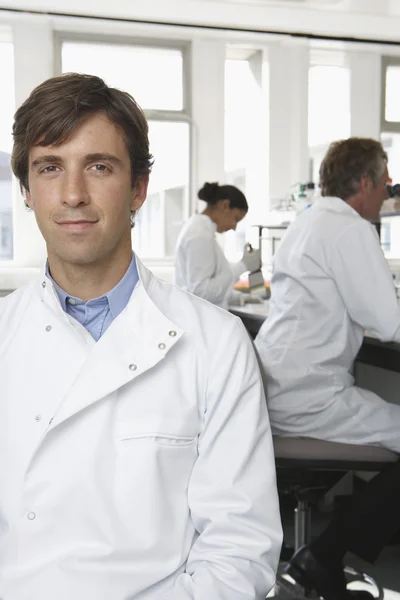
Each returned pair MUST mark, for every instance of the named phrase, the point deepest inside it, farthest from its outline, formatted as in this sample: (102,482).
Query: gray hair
(347,161)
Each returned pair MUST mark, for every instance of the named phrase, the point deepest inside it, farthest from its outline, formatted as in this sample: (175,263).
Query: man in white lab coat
(330,284)
(135,450)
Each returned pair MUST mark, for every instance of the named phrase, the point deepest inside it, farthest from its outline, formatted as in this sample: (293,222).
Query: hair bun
(209,193)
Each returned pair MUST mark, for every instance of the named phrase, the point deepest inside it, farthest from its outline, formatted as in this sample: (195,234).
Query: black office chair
(308,468)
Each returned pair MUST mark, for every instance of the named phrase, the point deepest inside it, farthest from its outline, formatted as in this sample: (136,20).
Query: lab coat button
(31,516)
(133,367)
(38,418)
(43,284)
(172,333)
(49,328)
(162,346)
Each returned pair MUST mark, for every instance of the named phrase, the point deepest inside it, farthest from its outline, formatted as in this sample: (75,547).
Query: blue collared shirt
(97,314)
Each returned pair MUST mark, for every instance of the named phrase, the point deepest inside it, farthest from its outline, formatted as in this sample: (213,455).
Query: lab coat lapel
(136,341)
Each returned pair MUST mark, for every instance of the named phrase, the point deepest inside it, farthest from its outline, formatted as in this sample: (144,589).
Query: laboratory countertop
(372,352)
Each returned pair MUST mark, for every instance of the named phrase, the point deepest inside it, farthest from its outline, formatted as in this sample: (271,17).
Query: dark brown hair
(213,193)
(57,107)
(347,161)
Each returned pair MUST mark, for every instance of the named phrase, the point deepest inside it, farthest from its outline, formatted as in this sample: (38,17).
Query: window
(390,137)
(161,216)
(154,76)
(386,236)
(391,144)
(328,111)
(246,137)
(390,118)
(6,119)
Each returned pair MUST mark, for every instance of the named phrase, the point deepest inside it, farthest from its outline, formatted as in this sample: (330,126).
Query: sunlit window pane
(153,76)
(392,104)
(246,141)
(6,119)
(390,225)
(329,110)
(162,215)
(329,104)
(391,144)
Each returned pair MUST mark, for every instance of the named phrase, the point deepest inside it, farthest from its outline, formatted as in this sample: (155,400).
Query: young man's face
(82,196)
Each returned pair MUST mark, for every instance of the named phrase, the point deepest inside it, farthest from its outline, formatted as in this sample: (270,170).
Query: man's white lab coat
(201,267)
(330,284)
(138,467)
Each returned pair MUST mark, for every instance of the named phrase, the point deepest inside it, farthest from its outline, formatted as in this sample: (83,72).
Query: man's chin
(78,258)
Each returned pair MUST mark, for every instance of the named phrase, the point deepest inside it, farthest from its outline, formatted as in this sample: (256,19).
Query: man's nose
(74,189)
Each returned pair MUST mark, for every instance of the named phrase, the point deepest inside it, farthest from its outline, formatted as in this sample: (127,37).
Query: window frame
(124,40)
(387,126)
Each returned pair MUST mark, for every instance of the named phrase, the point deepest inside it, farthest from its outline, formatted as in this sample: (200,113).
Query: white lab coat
(330,284)
(138,467)
(201,267)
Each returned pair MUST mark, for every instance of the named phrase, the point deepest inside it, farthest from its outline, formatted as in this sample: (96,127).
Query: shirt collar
(117,298)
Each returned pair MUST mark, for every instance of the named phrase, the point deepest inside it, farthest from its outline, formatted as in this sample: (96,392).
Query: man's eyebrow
(40,160)
(103,156)
(97,156)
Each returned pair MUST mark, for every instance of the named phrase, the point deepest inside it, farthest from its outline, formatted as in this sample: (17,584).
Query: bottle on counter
(301,199)
(305,196)
(310,191)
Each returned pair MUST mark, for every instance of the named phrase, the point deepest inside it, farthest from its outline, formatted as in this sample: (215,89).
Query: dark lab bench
(372,352)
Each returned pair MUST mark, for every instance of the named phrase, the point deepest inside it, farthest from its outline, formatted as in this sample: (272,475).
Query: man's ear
(28,199)
(366,183)
(139,192)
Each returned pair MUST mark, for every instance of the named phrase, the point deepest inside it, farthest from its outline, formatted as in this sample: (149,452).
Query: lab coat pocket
(154,463)
(164,439)
(167,432)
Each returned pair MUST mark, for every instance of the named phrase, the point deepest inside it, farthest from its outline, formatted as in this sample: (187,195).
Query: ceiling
(376,7)
(360,19)
(296,3)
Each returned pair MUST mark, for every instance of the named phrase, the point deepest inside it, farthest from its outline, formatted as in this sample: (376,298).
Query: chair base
(352,575)
(288,589)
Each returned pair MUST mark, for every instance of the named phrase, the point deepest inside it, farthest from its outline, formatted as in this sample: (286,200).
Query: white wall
(365,93)
(208,70)
(288,87)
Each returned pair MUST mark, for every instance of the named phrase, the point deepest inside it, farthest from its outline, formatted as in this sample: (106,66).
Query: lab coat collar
(139,338)
(336,204)
(206,222)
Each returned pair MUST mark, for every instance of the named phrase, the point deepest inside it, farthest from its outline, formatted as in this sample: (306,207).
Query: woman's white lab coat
(137,467)
(200,264)
(330,284)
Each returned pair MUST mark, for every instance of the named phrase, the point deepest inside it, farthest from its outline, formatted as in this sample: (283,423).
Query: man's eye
(49,169)
(100,168)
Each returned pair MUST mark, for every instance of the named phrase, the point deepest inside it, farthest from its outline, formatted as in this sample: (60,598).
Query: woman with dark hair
(200,264)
